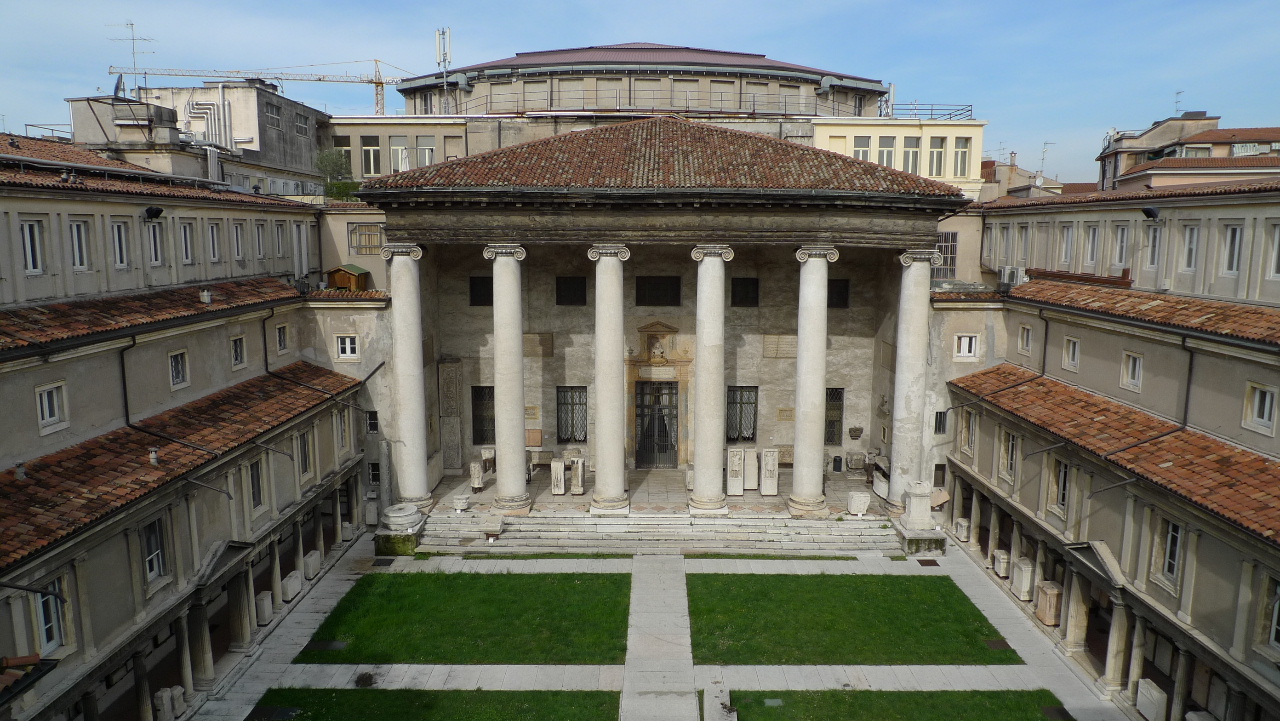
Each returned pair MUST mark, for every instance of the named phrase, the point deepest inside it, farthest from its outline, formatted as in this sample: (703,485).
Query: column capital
(493,250)
(391,250)
(805,252)
(932,257)
(724,252)
(608,250)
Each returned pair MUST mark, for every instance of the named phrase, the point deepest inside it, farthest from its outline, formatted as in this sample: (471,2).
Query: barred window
(947,248)
(741,403)
(571,414)
(366,238)
(482,416)
(835,416)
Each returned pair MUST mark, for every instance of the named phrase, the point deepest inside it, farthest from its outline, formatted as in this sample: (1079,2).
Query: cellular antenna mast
(1043,152)
(133,41)
(444,52)
(1177,103)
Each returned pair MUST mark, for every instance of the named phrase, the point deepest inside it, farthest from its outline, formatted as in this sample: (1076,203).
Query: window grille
(483,421)
(835,416)
(571,414)
(740,418)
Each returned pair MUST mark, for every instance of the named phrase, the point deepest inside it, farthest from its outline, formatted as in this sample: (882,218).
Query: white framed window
(987,233)
(1231,248)
(1131,371)
(155,243)
(960,164)
(1091,245)
(237,241)
(1061,486)
(365,238)
(371,155)
(120,244)
(1024,339)
(1274,270)
(272,112)
(371,424)
(1008,455)
(1070,353)
(968,430)
(279,240)
(911,155)
(186,232)
(1153,246)
(32,238)
(862,147)
(51,407)
(50,621)
(966,345)
(1260,408)
(1190,246)
(1170,550)
(259,246)
(178,377)
(1120,256)
(886,145)
(1006,244)
(342,427)
(1066,241)
(153,554)
(348,349)
(282,338)
(78,237)
(213,243)
(937,157)
(257,496)
(1024,243)
(304,454)
(239,358)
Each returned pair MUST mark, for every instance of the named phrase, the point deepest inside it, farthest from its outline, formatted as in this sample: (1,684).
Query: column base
(714,503)
(719,511)
(620,511)
(512,505)
(614,503)
(424,503)
(807,507)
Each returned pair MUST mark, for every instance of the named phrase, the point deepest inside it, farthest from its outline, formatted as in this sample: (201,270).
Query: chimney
(155,456)
(206,296)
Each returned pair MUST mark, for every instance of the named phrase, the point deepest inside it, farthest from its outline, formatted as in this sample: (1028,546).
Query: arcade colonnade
(908,488)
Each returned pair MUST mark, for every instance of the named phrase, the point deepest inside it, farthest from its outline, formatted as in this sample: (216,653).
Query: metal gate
(657,424)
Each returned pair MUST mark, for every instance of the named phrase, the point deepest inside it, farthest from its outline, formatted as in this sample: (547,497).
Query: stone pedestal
(769,472)
(265,611)
(311,564)
(737,463)
(291,585)
(859,501)
(397,534)
(751,469)
(1049,603)
(557,477)
(578,476)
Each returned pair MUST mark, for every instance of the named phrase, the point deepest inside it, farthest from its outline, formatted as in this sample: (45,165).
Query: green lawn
(740,619)
(893,705)
(766,557)
(400,705)
(536,618)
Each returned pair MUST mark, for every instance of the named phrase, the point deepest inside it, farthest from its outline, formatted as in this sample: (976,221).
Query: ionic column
(410,398)
(811,379)
(1113,676)
(508,376)
(709,408)
(201,647)
(611,382)
(184,658)
(906,480)
(277,586)
(1137,659)
(1181,686)
(1077,615)
(142,687)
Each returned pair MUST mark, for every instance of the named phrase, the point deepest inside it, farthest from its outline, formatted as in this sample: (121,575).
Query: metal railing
(927,111)
(642,100)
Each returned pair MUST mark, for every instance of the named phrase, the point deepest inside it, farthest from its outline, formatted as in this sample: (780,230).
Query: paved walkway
(659,679)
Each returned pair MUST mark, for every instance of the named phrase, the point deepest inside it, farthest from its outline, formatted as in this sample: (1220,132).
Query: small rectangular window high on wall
(481,290)
(834,417)
(744,292)
(365,238)
(939,423)
(571,290)
(483,420)
(658,290)
(837,292)
(947,249)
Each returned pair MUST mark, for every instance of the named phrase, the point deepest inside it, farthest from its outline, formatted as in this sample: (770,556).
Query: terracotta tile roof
(947,295)
(1075,188)
(20,327)
(1229,187)
(647,54)
(156,188)
(665,153)
(1236,320)
(1248,161)
(1234,135)
(348,204)
(344,294)
(66,491)
(40,149)
(989,171)
(1239,485)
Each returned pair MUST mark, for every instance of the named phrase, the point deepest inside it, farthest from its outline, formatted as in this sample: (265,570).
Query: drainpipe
(267,368)
(1044,358)
(124,396)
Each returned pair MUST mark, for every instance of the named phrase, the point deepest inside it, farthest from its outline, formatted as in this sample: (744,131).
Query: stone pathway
(658,679)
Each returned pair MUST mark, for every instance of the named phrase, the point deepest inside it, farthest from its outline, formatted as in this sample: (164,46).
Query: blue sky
(1061,72)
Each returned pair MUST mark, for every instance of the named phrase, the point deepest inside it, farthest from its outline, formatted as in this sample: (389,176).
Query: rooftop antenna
(1177,103)
(444,51)
(1043,152)
(133,40)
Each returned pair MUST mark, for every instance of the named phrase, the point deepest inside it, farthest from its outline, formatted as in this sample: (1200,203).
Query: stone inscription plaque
(786,414)
(451,440)
(532,413)
(779,346)
(451,389)
(786,454)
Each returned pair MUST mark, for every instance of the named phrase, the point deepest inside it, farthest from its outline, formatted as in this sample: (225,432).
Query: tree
(333,164)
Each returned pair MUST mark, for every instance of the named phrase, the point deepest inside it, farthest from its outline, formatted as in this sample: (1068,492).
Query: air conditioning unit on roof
(1012,276)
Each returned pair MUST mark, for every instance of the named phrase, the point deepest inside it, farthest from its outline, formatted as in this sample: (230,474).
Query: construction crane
(377,79)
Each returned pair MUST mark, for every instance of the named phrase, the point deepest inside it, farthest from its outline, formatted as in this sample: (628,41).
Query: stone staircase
(447,532)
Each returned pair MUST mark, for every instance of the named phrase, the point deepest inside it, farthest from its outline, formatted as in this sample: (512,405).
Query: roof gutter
(107,170)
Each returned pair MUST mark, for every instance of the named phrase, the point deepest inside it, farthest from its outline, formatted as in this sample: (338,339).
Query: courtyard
(655,636)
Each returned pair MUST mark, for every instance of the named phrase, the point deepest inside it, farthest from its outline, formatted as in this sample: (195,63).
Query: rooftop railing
(640,100)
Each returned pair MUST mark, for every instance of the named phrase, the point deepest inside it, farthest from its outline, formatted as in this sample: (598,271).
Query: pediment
(657,327)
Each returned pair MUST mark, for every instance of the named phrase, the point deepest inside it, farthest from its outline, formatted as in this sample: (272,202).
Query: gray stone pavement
(659,679)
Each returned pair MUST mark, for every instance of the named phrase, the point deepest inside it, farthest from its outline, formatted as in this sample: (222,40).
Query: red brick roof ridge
(154,187)
(1255,507)
(38,149)
(1244,161)
(669,163)
(66,491)
(1227,187)
(1218,317)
